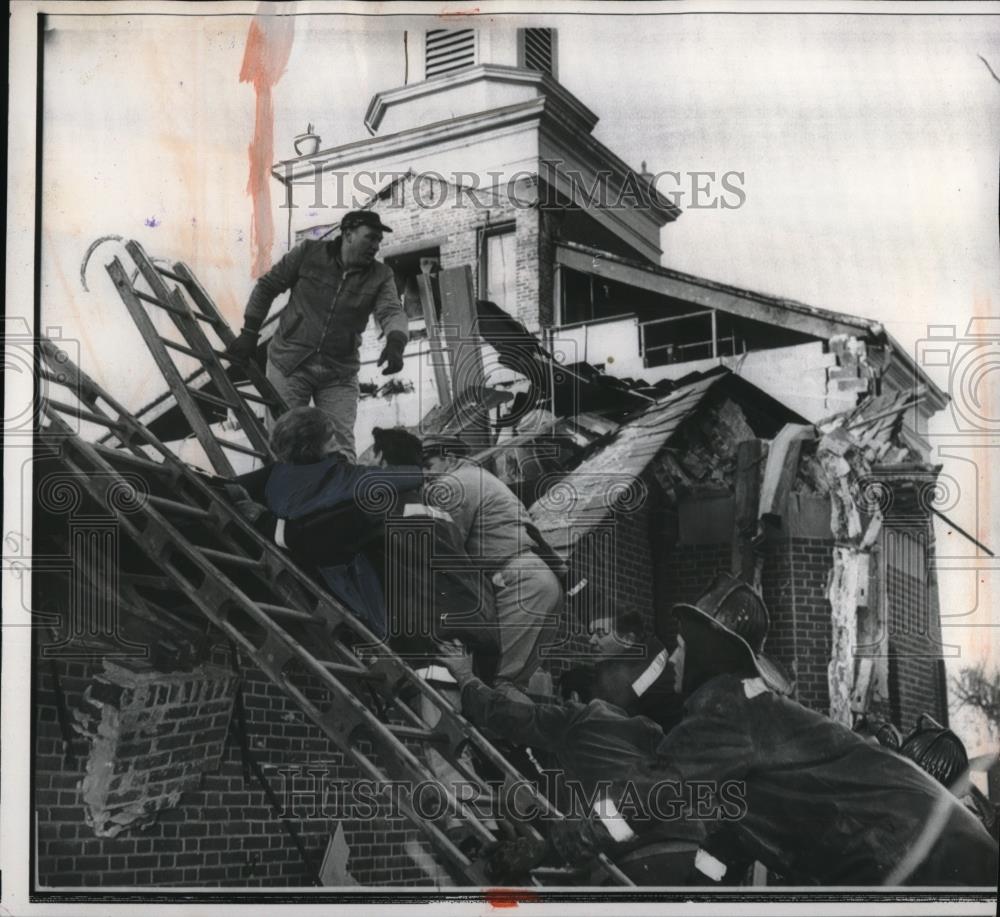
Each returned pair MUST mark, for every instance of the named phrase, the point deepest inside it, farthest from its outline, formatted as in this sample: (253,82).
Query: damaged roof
(608,478)
(776,310)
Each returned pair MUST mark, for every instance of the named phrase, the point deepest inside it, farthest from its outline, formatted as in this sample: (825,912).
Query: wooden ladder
(177,292)
(319,654)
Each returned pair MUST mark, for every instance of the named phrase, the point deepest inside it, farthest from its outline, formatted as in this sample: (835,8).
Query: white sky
(869,146)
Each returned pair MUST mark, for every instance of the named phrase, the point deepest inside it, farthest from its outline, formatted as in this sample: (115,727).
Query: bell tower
(435,52)
(483,108)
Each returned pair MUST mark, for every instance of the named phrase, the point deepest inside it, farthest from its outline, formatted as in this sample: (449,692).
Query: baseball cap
(363,218)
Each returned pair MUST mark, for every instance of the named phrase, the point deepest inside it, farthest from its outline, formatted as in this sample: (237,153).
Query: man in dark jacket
(590,744)
(336,286)
(822,805)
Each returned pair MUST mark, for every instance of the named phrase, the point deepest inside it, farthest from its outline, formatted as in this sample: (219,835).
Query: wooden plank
(459,318)
(843,595)
(690,291)
(425,284)
(749,462)
(780,469)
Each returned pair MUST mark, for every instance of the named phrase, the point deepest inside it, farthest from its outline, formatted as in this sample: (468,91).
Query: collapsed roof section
(707,416)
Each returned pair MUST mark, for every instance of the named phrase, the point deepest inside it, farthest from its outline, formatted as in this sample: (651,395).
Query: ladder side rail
(274,560)
(169,371)
(456,725)
(185,321)
(346,715)
(166,401)
(58,370)
(203,301)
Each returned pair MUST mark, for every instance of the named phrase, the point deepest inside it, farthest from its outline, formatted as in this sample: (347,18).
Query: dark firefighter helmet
(936,749)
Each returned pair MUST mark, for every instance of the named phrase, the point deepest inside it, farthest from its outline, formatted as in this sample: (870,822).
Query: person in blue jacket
(335,516)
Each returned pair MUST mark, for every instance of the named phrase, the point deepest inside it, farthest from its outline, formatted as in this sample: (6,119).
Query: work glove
(392,353)
(243,348)
(457,660)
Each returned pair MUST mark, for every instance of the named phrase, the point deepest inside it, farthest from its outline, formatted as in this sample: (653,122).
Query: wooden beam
(425,284)
(460,321)
(780,470)
(689,290)
(749,461)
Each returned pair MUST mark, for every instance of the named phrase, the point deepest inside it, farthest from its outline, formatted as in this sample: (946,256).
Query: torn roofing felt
(608,475)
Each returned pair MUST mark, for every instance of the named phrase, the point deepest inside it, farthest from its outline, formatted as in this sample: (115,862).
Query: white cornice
(575,111)
(406,141)
(596,156)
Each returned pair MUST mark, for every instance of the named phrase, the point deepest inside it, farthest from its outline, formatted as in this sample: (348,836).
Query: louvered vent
(538,50)
(449,49)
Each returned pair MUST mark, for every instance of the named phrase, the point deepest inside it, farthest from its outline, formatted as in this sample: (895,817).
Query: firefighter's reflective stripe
(754,686)
(655,669)
(436,673)
(612,820)
(419,509)
(709,866)
(279,534)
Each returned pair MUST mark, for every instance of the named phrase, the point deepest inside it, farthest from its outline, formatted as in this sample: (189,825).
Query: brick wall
(616,559)
(799,599)
(689,569)
(916,680)
(222,831)
(794,585)
(794,588)
(151,737)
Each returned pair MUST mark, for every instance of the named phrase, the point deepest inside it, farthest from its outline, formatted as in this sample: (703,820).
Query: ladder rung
(414,732)
(285,612)
(260,399)
(185,313)
(236,361)
(181,509)
(239,447)
(84,414)
(148,581)
(223,557)
(166,272)
(153,301)
(350,671)
(130,458)
(173,345)
(211,399)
